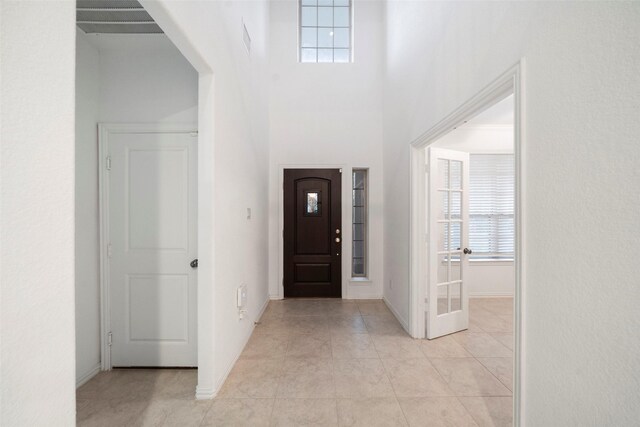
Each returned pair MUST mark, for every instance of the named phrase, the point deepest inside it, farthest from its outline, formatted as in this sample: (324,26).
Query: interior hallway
(329,362)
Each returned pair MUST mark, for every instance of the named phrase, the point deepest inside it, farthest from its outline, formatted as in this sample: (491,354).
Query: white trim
(86,377)
(345,185)
(509,82)
(203,393)
(488,127)
(261,311)
(104,130)
(361,292)
(491,295)
(396,313)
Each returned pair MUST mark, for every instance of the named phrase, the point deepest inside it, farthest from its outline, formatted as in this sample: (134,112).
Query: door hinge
(108,163)
(340,170)
(426,168)
(110,339)
(193,134)
(109,250)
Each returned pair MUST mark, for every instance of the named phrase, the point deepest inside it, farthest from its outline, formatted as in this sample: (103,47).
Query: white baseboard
(204,393)
(262,310)
(403,322)
(209,393)
(363,296)
(490,294)
(86,377)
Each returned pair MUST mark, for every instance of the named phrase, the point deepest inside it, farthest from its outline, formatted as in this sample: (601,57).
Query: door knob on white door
(467,251)
(194,263)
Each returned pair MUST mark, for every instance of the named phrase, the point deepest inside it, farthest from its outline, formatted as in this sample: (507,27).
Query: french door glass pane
(456,228)
(456,204)
(455,271)
(443,205)
(443,270)
(443,174)
(456,296)
(443,297)
(456,174)
(443,237)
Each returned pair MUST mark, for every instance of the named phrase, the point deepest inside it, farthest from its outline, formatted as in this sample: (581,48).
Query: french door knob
(467,251)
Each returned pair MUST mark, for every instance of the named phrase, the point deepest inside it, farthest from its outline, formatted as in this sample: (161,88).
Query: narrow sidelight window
(325,30)
(360,218)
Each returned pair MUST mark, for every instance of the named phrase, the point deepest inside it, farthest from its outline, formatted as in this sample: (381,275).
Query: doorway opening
(136,194)
(466,239)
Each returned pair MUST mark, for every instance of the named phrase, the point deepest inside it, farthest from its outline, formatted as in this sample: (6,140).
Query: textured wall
(582,98)
(37,357)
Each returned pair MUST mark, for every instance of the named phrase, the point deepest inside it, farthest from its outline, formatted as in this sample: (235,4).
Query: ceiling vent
(114,17)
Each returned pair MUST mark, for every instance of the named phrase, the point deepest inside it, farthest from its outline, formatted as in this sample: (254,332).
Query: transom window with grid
(325,30)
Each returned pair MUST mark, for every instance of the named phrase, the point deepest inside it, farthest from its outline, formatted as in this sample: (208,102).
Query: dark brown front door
(312,233)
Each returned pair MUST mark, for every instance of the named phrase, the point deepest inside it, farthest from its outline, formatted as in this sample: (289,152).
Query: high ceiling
(114,17)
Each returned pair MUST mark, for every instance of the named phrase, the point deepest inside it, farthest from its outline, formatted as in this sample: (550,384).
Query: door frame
(345,185)
(104,130)
(510,82)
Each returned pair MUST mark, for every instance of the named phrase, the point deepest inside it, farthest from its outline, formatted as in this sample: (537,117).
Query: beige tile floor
(329,362)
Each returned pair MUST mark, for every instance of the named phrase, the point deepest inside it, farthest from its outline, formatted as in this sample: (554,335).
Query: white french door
(447,290)
(152,190)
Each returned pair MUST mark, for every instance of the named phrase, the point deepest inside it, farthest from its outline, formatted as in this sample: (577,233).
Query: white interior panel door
(152,233)
(447,290)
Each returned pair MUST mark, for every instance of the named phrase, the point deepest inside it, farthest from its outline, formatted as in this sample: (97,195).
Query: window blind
(491,205)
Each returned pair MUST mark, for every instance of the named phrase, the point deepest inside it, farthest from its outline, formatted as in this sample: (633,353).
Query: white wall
(582,92)
(233,158)
(87,226)
(327,115)
(480,139)
(37,353)
(145,78)
(120,79)
(485,278)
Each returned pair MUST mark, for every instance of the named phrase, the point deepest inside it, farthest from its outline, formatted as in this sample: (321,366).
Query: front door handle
(467,251)
(194,263)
